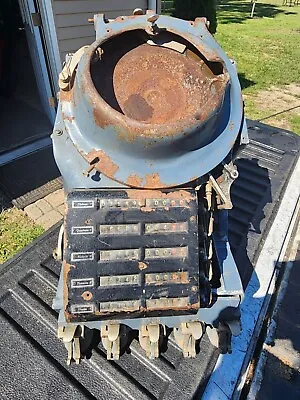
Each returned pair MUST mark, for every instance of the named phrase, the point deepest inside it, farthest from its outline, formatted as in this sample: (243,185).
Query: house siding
(71,19)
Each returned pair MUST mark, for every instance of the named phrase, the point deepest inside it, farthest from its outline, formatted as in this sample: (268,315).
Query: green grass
(16,231)
(295,122)
(266,48)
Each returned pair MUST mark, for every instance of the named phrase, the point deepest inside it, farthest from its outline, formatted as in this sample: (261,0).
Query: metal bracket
(70,335)
(149,340)
(186,336)
(67,75)
(58,252)
(110,335)
(223,184)
(221,336)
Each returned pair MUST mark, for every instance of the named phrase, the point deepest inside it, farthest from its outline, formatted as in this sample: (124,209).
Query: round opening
(159,82)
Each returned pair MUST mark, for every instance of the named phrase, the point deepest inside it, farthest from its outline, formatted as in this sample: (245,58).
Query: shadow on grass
(234,11)
(245,83)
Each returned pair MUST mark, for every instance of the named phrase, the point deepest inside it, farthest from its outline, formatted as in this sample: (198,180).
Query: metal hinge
(36,19)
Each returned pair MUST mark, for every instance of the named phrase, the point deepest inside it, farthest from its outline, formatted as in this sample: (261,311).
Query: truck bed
(33,359)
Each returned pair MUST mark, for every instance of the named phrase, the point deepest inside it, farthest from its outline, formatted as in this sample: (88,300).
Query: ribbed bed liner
(33,359)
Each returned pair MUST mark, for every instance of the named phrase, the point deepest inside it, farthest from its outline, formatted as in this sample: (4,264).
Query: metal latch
(67,75)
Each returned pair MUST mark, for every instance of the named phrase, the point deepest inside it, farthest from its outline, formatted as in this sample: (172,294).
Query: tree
(191,9)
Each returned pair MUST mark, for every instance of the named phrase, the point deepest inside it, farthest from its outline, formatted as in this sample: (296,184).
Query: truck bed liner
(33,359)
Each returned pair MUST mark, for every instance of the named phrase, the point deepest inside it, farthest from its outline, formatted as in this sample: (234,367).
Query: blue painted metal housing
(135,153)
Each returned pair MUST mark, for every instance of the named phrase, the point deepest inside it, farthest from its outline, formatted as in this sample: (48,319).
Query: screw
(58,132)
(234,174)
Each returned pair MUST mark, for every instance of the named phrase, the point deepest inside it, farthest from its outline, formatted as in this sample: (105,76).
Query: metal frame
(52,47)
(229,375)
(42,76)
(154,5)
(24,150)
(47,15)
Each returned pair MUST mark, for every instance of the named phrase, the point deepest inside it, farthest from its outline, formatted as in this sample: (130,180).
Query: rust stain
(156,92)
(159,86)
(87,295)
(123,18)
(66,270)
(147,209)
(105,163)
(194,306)
(220,179)
(134,180)
(153,181)
(66,95)
(142,266)
(141,309)
(69,118)
(100,118)
(157,194)
(178,277)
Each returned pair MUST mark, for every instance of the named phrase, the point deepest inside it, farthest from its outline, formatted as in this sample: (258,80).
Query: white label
(88,256)
(82,230)
(82,308)
(82,283)
(83,204)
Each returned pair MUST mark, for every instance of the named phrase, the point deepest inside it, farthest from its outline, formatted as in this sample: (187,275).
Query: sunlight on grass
(16,231)
(266,48)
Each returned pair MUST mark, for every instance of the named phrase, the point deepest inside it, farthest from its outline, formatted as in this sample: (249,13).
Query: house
(35,36)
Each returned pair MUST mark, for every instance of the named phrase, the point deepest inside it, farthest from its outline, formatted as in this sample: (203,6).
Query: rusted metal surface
(105,164)
(87,296)
(180,194)
(134,180)
(66,270)
(156,85)
(154,181)
(153,91)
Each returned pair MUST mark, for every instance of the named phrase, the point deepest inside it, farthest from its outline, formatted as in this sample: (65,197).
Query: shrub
(191,9)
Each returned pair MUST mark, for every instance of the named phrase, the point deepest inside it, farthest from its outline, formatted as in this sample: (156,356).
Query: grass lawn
(16,231)
(267,51)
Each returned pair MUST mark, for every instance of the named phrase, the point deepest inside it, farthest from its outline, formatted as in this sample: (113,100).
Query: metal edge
(223,383)
(291,252)
(25,150)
